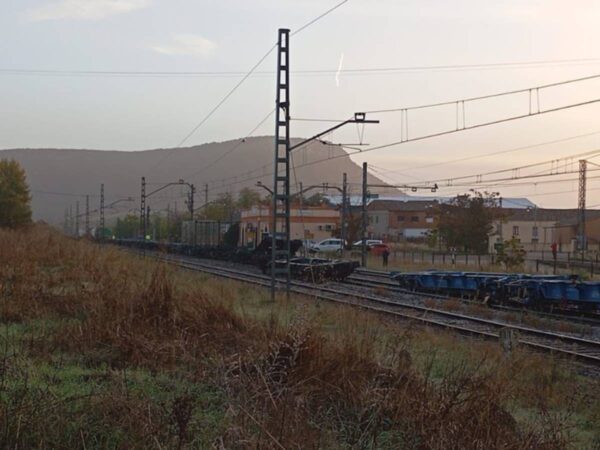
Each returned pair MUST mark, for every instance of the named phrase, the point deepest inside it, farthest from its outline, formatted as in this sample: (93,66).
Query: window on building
(414,219)
(400,218)
(376,219)
(534,232)
(515,230)
(320,227)
(328,227)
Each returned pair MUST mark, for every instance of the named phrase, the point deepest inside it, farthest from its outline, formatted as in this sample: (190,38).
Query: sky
(128,112)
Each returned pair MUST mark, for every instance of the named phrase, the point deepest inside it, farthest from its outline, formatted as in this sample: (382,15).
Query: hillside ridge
(60,177)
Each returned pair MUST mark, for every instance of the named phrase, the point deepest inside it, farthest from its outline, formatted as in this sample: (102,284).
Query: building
(407,217)
(309,222)
(398,220)
(567,230)
(537,228)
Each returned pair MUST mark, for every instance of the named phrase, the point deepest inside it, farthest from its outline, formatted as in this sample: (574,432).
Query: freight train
(546,292)
(308,269)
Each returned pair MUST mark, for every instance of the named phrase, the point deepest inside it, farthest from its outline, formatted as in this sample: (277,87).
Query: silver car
(328,245)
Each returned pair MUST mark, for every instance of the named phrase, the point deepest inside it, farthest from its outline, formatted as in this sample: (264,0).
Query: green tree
(127,227)
(248,198)
(15,201)
(231,237)
(354,226)
(512,254)
(466,221)
(222,209)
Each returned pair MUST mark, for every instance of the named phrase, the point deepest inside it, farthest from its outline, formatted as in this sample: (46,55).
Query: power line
(316,19)
(553,162)
(256,65)
(244,78)
(405,140)
(485,155)
(484,97)
(483,124)
(313,72)
(262,175)
(234,147)
(444,133)
(496,183)
(226,97)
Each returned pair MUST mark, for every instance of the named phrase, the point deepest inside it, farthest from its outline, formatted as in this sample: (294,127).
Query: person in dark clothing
(385,255)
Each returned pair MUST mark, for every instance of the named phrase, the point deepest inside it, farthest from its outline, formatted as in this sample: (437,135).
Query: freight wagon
(566,292)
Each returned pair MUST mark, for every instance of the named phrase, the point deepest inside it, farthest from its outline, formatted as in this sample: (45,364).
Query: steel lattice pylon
(280,223)
(102,212)
(581,206)
(143,209)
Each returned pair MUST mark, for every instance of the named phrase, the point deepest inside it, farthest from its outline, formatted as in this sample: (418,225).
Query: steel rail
(377,279)
(584,350)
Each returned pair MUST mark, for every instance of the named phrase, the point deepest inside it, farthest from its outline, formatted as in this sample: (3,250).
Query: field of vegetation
(101,349)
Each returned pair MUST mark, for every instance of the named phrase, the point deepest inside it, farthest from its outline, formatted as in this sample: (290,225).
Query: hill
(60,177)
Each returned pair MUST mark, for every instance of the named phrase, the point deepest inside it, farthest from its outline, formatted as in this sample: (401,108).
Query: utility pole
(147,220)
(143,209)
(343,230)
(66,222)
(191,201)
(87,216)
(206,194)
(301,205)
(77,219)
(102,212)
(169,222)
(280,221)
(191,208)
(581,206)
(70,220)
(365,218)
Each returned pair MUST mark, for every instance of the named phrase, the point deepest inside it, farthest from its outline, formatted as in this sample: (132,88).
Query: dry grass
(101,349)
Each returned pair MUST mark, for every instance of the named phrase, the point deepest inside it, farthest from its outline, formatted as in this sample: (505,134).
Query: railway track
(379,279)
(584,350)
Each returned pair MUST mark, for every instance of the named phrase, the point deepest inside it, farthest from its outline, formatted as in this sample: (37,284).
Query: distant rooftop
(356,200)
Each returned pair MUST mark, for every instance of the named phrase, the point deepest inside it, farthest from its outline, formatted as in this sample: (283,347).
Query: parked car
(370,243)
(308,243)
(378,249)
(327,245)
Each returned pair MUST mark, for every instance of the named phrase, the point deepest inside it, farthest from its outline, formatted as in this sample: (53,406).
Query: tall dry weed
(286,386)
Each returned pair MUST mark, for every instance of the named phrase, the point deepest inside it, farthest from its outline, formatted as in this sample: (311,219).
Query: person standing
(385,254)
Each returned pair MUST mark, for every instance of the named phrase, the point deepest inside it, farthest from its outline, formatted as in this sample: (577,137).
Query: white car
(328,245)
(370,243)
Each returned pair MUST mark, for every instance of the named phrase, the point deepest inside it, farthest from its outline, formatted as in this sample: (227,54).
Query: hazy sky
(134,113)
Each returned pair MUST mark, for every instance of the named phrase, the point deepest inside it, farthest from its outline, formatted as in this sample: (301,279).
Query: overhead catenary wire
(429,136)
(15,71)
(504,182)
(226,97)
(244,78)
(233,148)
(252,69)
(494,153)
(484,97)
(553,162)
(405,139)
